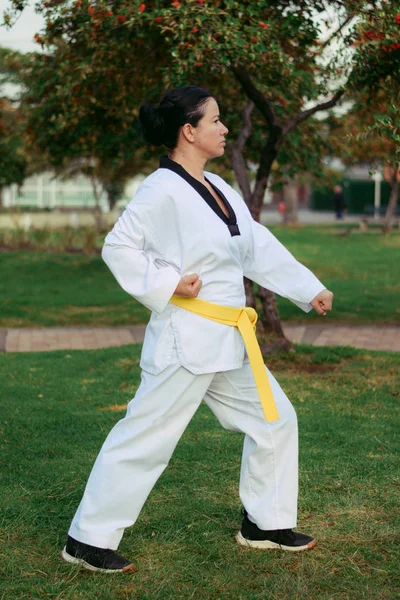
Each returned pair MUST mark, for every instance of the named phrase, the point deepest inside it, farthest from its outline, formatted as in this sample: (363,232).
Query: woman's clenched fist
(322,302)
(189,286)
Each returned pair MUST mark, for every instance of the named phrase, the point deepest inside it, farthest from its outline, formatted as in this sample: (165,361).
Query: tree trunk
(269,322)
(273,334)
(393,200)
(277,132)
(270,312)
(268,156)
(290,194)
(1,197)
(249,290)
(97,214)
(114,191)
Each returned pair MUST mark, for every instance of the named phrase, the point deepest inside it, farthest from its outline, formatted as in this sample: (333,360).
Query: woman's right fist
(189,286)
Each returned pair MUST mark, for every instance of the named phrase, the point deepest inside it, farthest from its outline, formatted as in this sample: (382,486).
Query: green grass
(45,289)
(56,410)
(362,270)
(39,289)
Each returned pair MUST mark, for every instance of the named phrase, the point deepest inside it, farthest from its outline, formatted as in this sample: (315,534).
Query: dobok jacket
(174,226)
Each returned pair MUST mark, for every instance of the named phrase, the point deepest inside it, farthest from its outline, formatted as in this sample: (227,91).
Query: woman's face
(209,134)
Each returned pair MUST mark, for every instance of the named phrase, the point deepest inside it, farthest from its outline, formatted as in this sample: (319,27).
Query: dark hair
(161,123)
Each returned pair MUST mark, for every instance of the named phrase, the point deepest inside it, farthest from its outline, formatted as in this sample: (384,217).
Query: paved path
(87,338)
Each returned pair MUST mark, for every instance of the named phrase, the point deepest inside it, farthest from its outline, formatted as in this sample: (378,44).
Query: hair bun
(161,123)
(152,119)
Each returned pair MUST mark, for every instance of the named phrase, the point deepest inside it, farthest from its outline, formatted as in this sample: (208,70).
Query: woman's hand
(322,302)
(189,286)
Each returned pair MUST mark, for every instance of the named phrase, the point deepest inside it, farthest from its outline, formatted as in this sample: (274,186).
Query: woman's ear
(188,132)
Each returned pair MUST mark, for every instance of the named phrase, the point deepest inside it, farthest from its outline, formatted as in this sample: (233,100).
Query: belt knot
(252,315)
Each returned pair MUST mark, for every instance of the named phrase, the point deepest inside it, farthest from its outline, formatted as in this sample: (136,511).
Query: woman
(181,248)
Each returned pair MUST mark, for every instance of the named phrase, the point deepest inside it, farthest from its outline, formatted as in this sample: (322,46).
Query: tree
(13,162)
(377,69)
(70,115)
(275,53)
(268,54)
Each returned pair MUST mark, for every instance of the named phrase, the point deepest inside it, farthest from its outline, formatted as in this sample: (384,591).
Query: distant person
(338,201)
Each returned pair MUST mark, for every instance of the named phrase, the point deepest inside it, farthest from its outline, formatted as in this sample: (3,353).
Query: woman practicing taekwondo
(182,247)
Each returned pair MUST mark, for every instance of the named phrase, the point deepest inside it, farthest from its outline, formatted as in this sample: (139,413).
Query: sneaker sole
(79,561)
(268,545)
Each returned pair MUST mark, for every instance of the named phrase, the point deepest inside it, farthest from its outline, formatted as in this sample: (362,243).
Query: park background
(71,158)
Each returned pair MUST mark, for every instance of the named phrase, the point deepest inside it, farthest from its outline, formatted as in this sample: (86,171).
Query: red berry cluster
(99,14)
(372,35)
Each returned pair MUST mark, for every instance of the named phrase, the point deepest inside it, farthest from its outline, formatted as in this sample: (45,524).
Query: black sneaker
(95,559)
(284,539)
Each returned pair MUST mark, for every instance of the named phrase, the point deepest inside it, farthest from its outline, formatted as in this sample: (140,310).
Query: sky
(20,36)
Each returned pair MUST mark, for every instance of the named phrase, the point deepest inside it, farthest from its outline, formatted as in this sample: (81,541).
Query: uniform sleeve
(269,264)
(127,253)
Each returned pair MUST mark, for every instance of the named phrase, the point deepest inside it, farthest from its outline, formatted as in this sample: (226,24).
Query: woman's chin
(219,152)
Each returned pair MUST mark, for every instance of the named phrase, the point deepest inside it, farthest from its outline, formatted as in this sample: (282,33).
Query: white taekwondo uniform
(172,227)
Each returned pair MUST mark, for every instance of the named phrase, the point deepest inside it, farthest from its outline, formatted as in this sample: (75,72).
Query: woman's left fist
(322,302)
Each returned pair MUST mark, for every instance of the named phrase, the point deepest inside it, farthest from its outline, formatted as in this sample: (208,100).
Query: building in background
(44,192)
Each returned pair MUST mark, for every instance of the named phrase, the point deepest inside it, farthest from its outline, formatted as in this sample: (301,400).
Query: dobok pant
(139,447)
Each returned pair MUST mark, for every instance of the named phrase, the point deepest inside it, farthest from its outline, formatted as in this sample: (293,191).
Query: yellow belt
(245,320)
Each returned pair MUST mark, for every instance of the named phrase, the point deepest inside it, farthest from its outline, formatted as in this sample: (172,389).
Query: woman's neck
(192,164)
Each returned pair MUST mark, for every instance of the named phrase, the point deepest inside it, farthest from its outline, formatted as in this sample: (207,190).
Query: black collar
(231,221)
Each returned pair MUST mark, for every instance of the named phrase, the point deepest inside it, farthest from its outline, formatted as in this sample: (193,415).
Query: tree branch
(238,162)
(255,95)
(247,130)
(305,114)
(335,33)
(360,10)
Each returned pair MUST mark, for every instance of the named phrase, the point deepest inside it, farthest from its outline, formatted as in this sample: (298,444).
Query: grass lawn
(56,409)
(39,289)
(44,289)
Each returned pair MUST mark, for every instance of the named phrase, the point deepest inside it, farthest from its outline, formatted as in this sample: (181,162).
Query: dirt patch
(304,363)
(113,407)
(316,368)
(127,363)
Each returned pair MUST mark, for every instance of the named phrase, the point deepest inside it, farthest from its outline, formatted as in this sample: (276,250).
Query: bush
(87,239)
